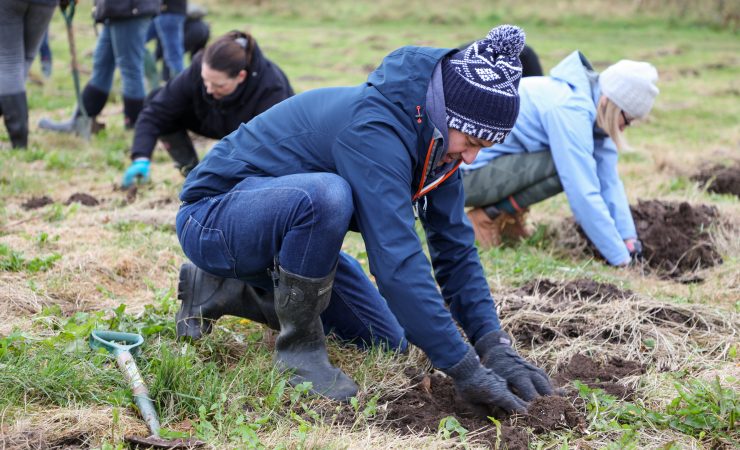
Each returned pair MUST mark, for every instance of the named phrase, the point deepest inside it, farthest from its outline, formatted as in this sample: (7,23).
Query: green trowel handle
(141,394)
(115,341)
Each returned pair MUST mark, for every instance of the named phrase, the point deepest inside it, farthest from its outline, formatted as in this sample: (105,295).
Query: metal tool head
(158,442)
(115,341)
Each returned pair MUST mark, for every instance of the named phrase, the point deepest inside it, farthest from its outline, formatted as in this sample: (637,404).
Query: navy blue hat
(481,84)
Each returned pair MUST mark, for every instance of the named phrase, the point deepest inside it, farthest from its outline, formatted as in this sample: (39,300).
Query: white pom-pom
(506,40)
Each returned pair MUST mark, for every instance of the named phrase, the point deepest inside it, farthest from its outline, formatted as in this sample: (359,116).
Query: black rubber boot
(94,100)
(301,346)
(205,298)
(181,150)
(131,109)
(15,113)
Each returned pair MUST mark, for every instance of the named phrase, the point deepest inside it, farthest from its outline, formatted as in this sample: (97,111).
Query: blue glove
(137,172)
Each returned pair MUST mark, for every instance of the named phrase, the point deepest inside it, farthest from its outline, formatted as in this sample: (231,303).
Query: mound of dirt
(36,202)
(675,236)
(432,398)
(580,289)
(600,375)
(81,197)
(720,179)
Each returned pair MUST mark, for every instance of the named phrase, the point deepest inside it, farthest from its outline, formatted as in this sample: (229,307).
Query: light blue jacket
(558,113)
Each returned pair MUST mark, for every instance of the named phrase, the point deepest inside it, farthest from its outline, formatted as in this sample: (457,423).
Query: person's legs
(36,22)
(128,40)
(19,36)
(170,30)
(45,56)
(357,313)
(502,191)
(292,226)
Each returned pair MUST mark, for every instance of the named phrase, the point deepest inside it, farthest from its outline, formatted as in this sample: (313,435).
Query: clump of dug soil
(432,398)
(602,375)
(675,236)
(81,197)
(580,289)
(36,202)
(720,179)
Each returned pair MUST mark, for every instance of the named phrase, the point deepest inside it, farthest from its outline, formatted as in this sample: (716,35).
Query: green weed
(14,261)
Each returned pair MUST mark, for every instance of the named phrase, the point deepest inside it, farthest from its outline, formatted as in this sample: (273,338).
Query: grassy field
(67,268)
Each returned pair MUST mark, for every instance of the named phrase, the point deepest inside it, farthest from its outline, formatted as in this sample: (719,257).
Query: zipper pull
(415,205)
(418,114)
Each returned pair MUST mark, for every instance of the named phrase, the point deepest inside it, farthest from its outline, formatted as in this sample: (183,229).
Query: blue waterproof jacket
(558,113)
(377,136)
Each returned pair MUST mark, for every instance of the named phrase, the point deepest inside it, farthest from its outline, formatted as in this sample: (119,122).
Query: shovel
(121,345)
(83,123)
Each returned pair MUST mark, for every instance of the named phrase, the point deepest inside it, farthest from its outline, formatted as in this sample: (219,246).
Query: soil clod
(37,202)
(720,179)
(675,236)
(81,197)
(602,375)
(580,289)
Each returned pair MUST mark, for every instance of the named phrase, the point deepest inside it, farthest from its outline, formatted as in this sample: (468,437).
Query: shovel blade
(158,442)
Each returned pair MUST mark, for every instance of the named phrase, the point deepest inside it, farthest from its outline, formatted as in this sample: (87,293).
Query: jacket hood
(398,76)
(574,70)
(403,78)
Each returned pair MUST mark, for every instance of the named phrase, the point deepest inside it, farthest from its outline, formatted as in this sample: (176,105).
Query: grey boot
(206,297)
(301,347)
(15,112)
(181,150)
(94,100)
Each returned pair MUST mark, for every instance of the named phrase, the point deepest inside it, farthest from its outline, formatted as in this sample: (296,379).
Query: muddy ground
(432,398)
(720,179)
(676,238)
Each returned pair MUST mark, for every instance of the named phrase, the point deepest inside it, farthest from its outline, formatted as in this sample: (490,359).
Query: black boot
(93,99)
(181,149)
(301,347)
(131,109)
(15,111)
(206,297)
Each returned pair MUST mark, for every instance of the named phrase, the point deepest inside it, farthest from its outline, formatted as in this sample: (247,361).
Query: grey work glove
(481,388)
(525,379)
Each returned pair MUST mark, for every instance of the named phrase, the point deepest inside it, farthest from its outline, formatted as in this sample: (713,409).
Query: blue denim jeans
(301,220)
(170,29)
(121,44)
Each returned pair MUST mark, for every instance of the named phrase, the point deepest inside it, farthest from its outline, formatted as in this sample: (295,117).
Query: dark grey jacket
(125,9)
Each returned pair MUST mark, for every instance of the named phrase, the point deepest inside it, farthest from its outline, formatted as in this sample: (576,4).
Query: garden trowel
(121,345)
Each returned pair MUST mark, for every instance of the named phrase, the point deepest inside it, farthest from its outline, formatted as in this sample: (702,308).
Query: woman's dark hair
(231,53)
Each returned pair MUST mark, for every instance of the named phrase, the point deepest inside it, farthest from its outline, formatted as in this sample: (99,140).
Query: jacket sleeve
(570,133)
(612,189)
(163,111)
(455,259)
(375,162)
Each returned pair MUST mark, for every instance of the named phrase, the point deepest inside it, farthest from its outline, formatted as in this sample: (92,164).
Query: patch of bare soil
(602,375)
(581,289)
(720,179)
(432,398)
(36,202)
(675,236)
(81,197)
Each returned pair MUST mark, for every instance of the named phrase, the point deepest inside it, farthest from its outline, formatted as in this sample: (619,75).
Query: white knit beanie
(631,86)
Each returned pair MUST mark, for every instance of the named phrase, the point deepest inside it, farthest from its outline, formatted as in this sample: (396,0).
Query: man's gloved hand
(525,379)
(481,388)
(137,172)
(634,247)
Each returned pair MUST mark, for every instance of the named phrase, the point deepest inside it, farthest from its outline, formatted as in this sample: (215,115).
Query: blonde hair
(607,118)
